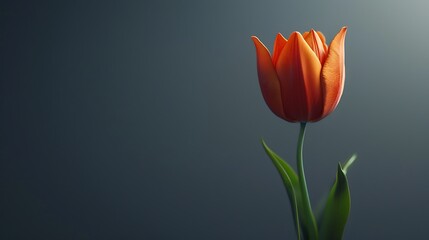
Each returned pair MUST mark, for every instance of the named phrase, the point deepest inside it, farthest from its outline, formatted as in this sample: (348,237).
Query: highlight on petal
(298,69)
(333,73)
(268,80)
(315,43)
(279,44)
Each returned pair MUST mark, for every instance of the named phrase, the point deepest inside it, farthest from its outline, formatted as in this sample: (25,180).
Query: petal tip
(256,41)
(314,33)
(294,34)
(280,37)
(343,32)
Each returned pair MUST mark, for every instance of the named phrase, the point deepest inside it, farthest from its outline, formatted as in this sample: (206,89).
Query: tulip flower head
(303,80)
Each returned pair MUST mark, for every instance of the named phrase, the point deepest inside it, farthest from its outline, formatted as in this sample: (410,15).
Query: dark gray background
(142,120)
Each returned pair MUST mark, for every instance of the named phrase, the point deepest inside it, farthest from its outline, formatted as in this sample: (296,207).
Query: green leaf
(291,183)
(322,202)
(334,217)
(349,162)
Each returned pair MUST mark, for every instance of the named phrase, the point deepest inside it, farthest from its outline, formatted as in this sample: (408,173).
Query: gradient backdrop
(143,119)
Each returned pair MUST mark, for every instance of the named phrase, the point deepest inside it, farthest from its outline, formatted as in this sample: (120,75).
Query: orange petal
(279,44)
(298,69)
(333,73)
(317,45)
(268,80)
(322,37)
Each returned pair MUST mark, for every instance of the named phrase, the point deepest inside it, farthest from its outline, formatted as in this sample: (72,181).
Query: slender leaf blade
(291,183)
(334,217)
(322,202)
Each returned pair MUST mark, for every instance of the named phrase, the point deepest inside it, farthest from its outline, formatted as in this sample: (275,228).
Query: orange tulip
(303,80)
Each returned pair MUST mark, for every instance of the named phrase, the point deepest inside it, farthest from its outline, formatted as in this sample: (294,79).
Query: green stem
(308,212)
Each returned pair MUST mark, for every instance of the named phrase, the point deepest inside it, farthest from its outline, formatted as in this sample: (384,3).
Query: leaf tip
(349,162)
